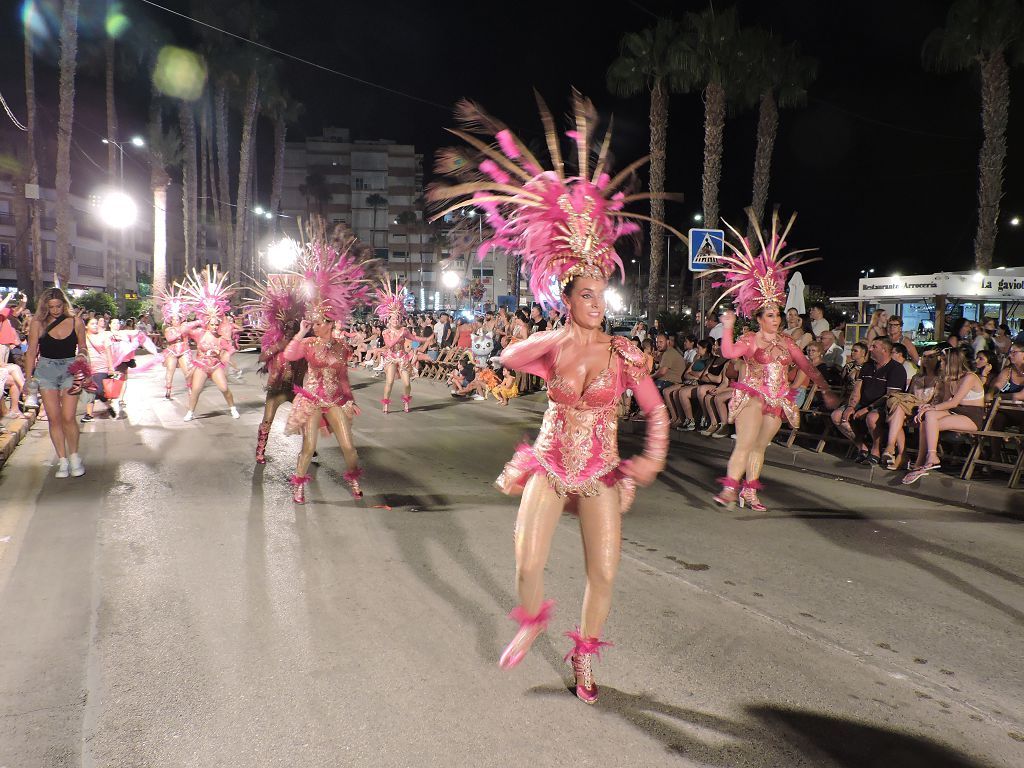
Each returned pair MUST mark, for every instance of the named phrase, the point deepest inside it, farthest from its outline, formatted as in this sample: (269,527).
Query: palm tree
(66,112)
(712,61)
(375,201)
(652,61)
(282,110)
(778,77)
(983,34)
(33,165)
(249,102)
(189,183)
(316,188)
(164,151)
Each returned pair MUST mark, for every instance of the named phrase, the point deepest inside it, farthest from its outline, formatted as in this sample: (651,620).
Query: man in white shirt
(716,331)
(833,355)
(443,331)
(818,322)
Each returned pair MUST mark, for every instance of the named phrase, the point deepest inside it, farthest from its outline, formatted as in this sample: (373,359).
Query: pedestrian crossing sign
(706,247)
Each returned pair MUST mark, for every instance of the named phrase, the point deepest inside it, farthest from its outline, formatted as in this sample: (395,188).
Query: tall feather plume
(207,293)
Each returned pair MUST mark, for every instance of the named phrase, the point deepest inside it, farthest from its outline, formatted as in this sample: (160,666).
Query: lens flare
(116,23)
(179,73)
(32,20)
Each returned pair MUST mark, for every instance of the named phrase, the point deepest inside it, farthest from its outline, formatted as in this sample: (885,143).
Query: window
(380,253)
(398,255)
(6,255)
(369,161)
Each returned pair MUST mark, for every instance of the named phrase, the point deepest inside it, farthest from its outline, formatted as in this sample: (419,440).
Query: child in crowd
(507,389)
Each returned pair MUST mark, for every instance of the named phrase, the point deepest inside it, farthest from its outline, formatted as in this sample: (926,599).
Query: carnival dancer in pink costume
(174,309)
(278,312)
(397,360)
(336,282)
(229,331)
(763,394)
(565,228)
(123,345)
(208,295)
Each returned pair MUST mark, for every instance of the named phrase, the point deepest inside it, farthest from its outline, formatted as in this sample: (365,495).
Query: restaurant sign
(992,286)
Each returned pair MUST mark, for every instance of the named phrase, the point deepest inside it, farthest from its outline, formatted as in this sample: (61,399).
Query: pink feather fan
(564,226)
(758,281)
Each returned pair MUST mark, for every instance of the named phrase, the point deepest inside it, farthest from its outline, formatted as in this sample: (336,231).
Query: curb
(987,496)
(16,430)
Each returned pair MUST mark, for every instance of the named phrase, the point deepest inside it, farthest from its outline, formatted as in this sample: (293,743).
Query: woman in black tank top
(56,339)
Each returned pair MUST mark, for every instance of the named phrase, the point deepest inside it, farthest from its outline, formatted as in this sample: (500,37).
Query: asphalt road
(173,608)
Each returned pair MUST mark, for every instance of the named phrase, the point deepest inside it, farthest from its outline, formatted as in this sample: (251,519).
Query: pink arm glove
(734,349)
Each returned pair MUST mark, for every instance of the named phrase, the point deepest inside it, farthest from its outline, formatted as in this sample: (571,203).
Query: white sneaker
(62,468)
(115,406)
(479,397)
(234,413)
(188,416)
(77,467)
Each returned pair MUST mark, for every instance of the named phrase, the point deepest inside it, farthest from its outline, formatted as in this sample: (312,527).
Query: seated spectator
(903,405)
(462,376)
(717,402)
(690,376)
(12,378)
(986,365)
(815,354)
(895,334)
(833,355)
(818,322)
(11,309)
(670,364)
(798,328)
(862,420)
(1002,339)
(507,388)
(710,373)
(962,410)
(900,355)
(688,349)
(852,367)
(1010,380)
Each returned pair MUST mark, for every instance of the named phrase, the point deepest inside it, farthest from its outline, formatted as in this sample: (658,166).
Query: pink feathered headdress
(207,293)
(564,226)
(758,281)
(172,304)
(280,302)
(390,299)
(334,280)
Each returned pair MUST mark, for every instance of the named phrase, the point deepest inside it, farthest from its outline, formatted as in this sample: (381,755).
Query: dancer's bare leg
(748,428)
(270,407)
(198,382)
(389,379)
(341,425)
(220,379)
(309,438)
(755,460)
(601,526)
(539,511)
(406,381)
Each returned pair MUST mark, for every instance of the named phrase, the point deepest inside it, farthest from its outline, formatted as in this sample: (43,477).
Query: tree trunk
(158,182)
(277,182)
(245,168)
(211,189)
(203,196)
(714,131)
(33,166)
(115,255)
(220,109)
(767,129)
(22,230)
(190,183)
(995,104)
(659,129)
(66,113)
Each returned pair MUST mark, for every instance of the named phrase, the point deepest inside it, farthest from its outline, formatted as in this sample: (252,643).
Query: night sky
(880,164)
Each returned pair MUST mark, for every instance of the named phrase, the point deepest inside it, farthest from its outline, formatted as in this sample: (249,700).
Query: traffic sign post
(706,247)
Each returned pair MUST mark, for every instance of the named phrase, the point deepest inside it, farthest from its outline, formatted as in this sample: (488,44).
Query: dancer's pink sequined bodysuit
(394,348)
(326,383)
(764,376)
(177,338)
(577,448)
(208,351)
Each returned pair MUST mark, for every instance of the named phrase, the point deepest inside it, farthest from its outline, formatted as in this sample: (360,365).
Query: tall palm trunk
(220,109)
(159,180)
(995,104)
(190,183)
(767,129)
(33,165)
(66,113)
(203,197)
(659,130)
(245,168)
(114,254)
(210,188)
(714,132)
(277,182)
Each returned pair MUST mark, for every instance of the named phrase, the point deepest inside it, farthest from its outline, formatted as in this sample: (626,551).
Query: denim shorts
(54,374)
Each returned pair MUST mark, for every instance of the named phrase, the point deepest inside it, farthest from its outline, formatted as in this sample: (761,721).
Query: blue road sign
(706,245)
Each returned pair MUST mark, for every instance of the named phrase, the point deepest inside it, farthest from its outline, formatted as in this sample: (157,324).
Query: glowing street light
(1015,221)
(613,300)
(138,141)
(698,217)
(117,210)
(282,254)
(450,280)
(269,215)
(258,210)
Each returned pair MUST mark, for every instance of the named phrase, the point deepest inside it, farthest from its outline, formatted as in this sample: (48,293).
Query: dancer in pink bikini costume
(208,295)
(173,307)
(763,394)
(278,313)
(397,361)
(565,228)
(336,283)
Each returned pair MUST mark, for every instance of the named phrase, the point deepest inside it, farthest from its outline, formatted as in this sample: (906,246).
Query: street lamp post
(136,141)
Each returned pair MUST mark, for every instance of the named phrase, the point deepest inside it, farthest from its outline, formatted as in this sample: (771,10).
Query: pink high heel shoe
(385,402)
(580,656)
(406,399)
(529,628)
(748,496)
(299,487)
(730,492)
(352,479)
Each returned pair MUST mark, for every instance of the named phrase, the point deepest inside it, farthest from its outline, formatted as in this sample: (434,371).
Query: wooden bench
(999,439)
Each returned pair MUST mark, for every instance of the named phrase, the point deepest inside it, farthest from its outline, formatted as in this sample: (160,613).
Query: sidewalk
(15,430)
(989,495)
